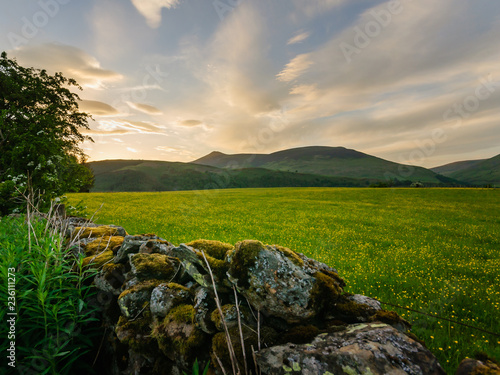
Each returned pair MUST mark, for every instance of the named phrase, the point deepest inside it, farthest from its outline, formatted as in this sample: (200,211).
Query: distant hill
(325,161)
(143,175)
(476,172)
(449,169)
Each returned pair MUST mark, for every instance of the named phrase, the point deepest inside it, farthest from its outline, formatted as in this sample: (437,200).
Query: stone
(280,282)
(132,244)
(204,304)
(111,278)
(471,366)
(367,349)
(136,299)
(195,265)
(156,247)
(166,296)
(178,336)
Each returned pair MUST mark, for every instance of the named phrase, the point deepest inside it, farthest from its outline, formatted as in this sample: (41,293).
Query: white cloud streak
(151,9)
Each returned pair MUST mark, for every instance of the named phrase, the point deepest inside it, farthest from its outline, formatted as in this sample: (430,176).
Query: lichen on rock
(376,349)
(166,296)
(275,282)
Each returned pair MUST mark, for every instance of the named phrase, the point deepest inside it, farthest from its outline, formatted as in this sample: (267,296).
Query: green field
(433,250)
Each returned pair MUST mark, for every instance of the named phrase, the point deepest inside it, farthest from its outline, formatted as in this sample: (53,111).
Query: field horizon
(431,250)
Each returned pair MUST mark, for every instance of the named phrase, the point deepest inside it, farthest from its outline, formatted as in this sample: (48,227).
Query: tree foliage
(40,134)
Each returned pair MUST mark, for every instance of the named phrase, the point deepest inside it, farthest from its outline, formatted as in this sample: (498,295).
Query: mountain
(325,161)
(144,175)
(449,169)
(476,172)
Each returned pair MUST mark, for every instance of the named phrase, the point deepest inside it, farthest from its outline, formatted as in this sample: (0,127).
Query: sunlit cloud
(132,149)
(71,61)
(122,126)
(151,9)
(299,38)
(97,108)
(145,108)
(191,123)
(297,66)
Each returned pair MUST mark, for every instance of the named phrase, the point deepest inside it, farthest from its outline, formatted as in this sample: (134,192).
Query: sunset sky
(409,81)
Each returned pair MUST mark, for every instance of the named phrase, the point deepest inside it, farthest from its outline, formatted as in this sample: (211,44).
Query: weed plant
(52,298)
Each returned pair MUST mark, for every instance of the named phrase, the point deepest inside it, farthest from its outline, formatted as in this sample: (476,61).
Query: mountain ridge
(322,160)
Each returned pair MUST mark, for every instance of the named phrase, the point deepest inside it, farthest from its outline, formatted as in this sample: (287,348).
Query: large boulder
(282,283)
(365,349)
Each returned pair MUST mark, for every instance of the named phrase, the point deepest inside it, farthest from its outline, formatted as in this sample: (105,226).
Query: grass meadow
(432,250)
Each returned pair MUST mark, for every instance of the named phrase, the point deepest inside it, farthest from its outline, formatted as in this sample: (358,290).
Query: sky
(414,82)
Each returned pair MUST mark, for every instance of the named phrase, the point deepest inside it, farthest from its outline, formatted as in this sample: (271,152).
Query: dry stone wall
(160,310)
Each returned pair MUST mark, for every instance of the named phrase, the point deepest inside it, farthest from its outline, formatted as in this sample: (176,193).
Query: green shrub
(51,294)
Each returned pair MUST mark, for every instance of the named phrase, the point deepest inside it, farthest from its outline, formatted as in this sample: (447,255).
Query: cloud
(151,9)
(121,126)
(71,61)
(98,108)
(190,123)
(299,38)
(132,149)
(297,66)
(145,108)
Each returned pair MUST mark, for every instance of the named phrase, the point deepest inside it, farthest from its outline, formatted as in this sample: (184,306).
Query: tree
(40,126)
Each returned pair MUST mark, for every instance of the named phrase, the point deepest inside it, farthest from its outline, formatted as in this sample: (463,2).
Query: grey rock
(204,304)
(365,349)
(165,296)
(193,265)
(364,300)
(156,247)
(131,245)
(134,300)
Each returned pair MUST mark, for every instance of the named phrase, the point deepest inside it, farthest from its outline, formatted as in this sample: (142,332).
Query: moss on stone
(215,249)
(300,334)
(244,257)
(157,266)
(389,317)
(219,267)
(291,255)
(178,334)
(94,232)
(325,292)
(147,285)
(351,311)
(136,333)
(97,261)
(230,315)
(103,243)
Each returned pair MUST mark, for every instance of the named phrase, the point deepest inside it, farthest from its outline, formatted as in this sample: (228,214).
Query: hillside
(449,169)
(143,175)
(325,161)
(478,172)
